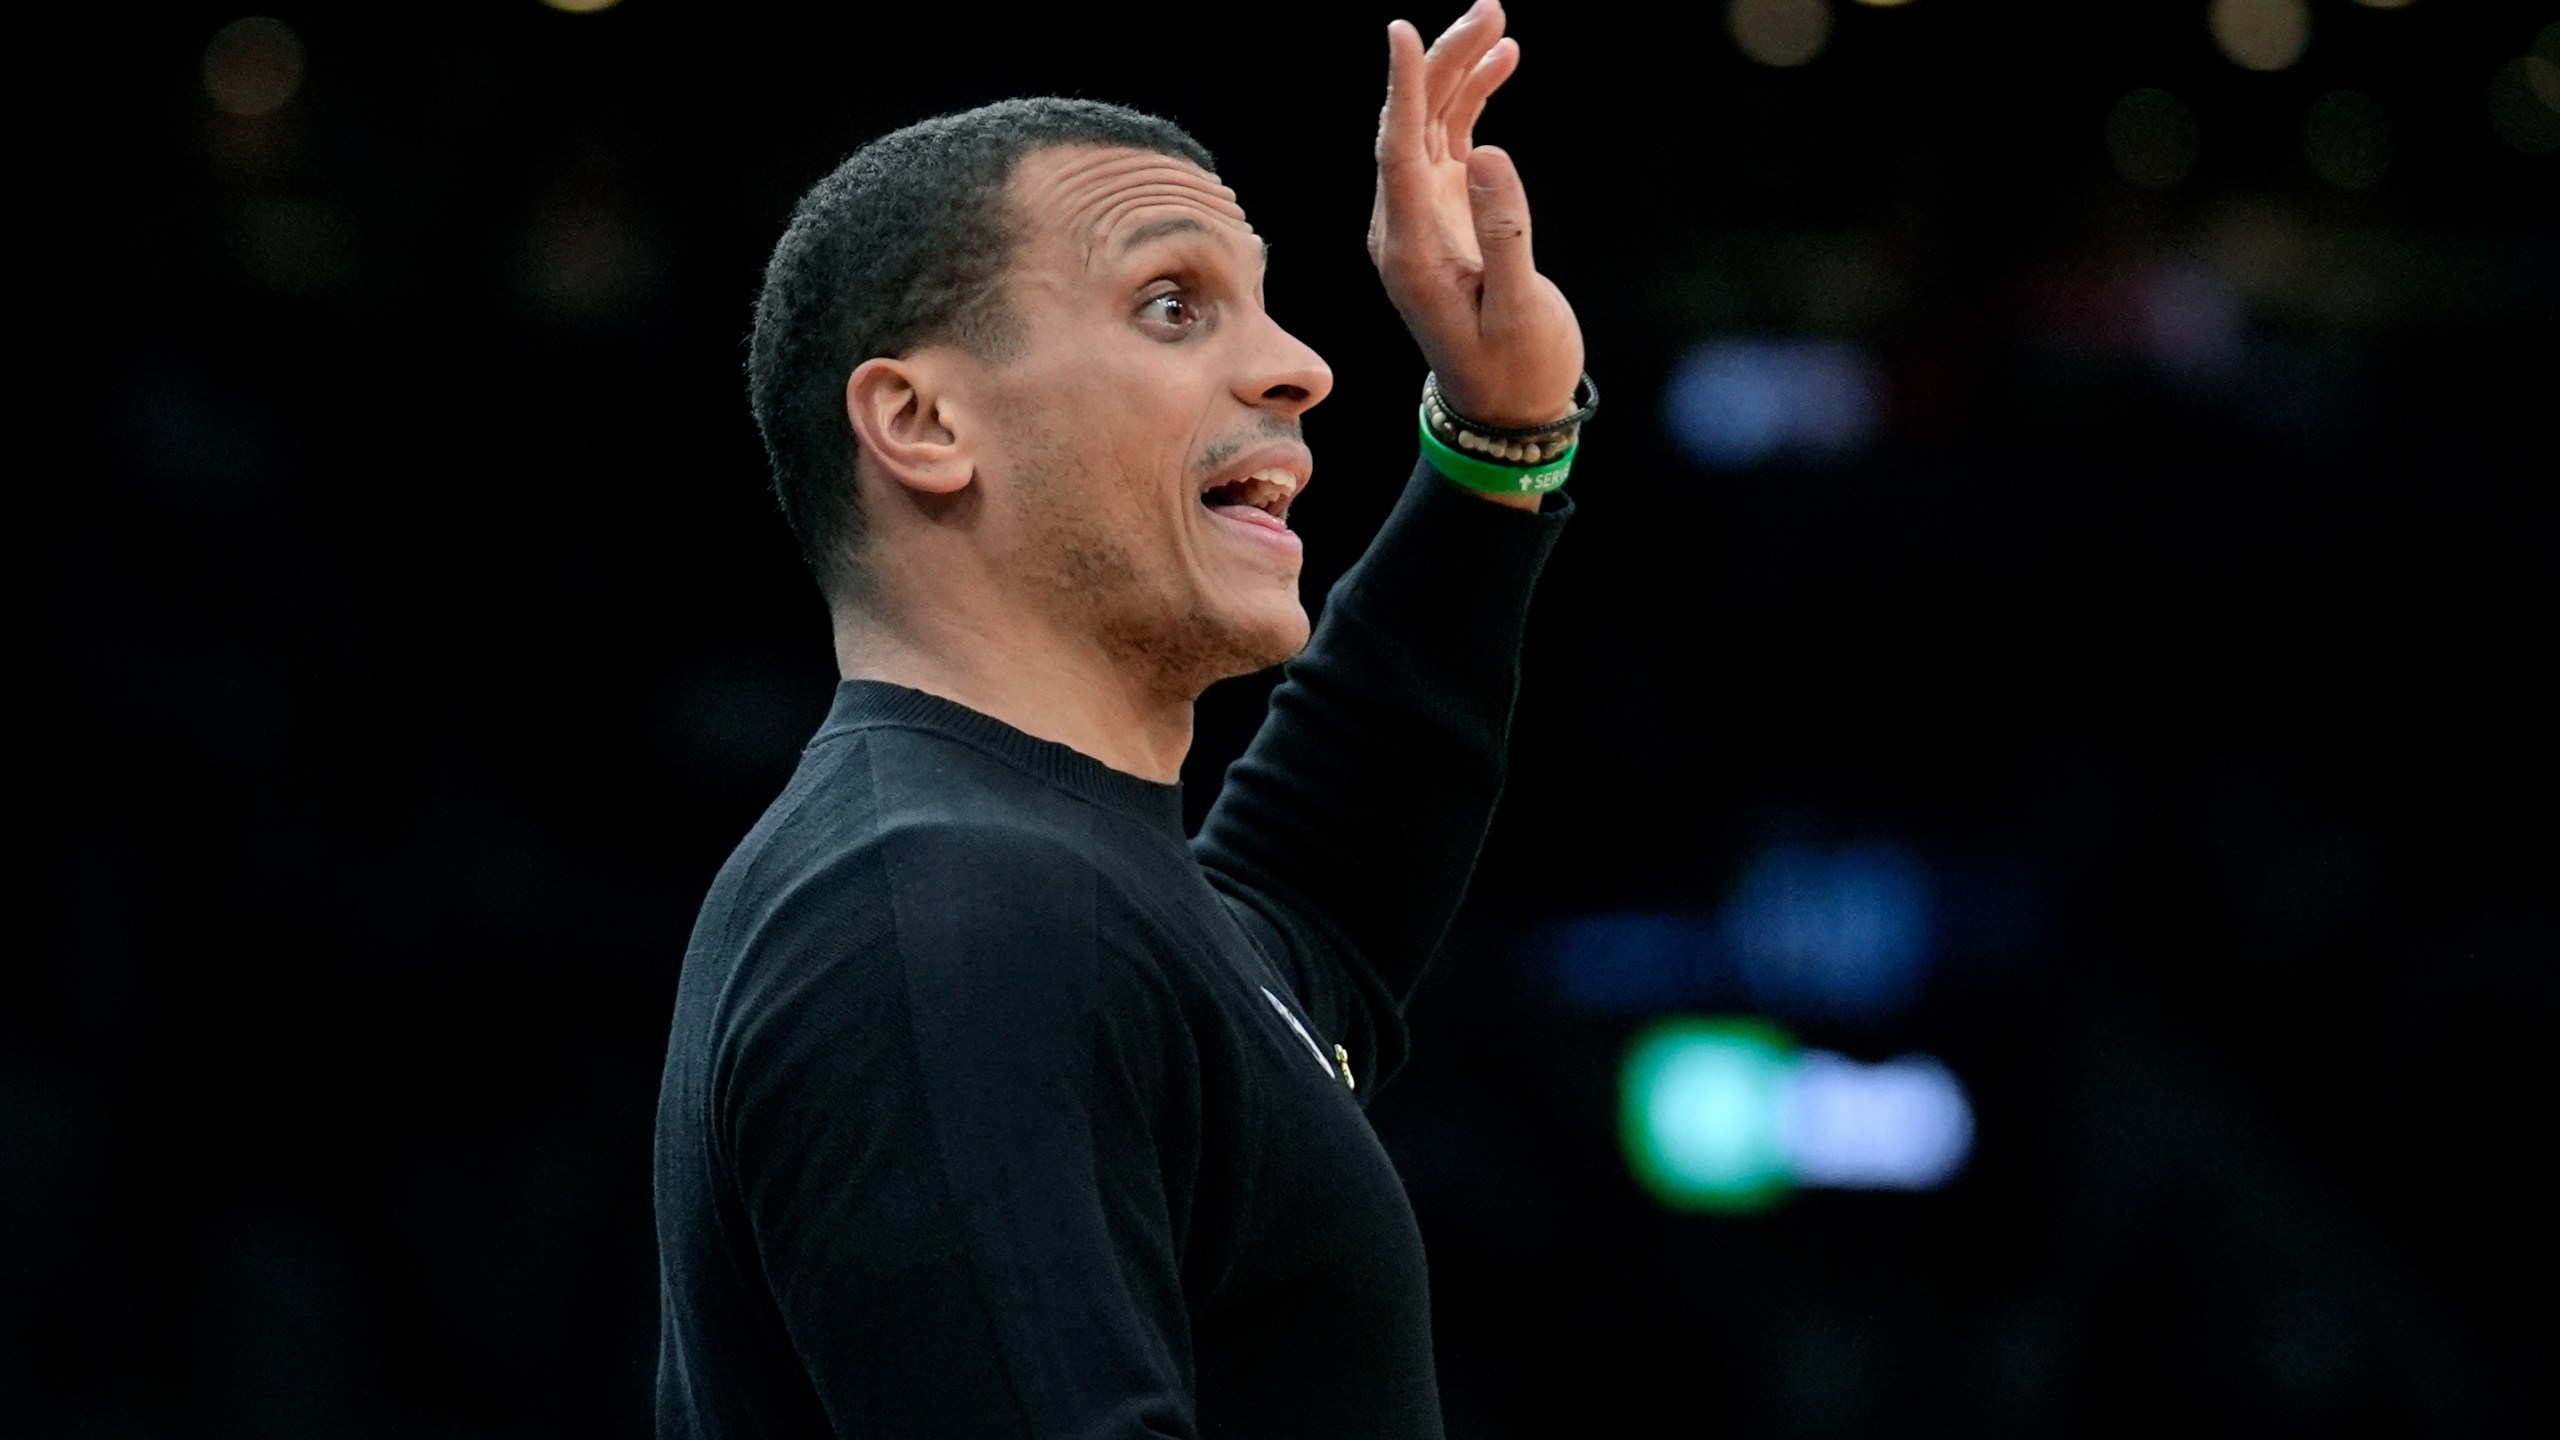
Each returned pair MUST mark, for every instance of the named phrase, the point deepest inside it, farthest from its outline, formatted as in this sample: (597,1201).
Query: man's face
(1145,444)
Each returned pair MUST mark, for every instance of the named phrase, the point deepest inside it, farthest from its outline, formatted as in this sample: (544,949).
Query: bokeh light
(1809,933)
(1703,1113)
(253,66)
(1783,33)
(1901,1125)
(2384,4)
(2521,104)
(1738,402)
(2261,34)
(2152,138)
(581,7)
(1632,961)
(1725,1115)
(2347,138)
(2524,99)
(1833,934)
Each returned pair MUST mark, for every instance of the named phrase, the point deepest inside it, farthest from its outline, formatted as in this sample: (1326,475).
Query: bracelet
(1493,476)
(1530,446)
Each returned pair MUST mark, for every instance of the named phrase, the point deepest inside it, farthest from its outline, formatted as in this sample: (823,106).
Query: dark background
(412,636)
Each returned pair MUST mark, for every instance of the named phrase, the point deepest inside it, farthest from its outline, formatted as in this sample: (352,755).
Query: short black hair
(903,245)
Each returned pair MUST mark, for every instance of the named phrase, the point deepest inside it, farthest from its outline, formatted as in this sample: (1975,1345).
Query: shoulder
(885,841)
(982,910)
(925,895)
(941,953)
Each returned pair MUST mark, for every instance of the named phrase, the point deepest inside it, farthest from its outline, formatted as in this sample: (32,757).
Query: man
(993,1106)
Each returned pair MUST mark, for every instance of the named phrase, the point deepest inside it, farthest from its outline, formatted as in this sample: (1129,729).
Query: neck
(1055,687)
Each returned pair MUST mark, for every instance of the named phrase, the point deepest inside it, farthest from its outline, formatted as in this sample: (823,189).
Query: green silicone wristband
(1485,475)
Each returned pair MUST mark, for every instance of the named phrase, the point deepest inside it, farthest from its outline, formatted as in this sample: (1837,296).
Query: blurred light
(1633,960)
(1884,4)
(1702,1113)
(2518,107)
(1783,33)
(2182,315)
(253,66)
(2261,34)
(1725,1115)
(2347,138)
(2192,319)
(1841,934)
(581,7)
(1901,1125)
(2384,4)
(1735,402)
(1807,934)
(2151,137)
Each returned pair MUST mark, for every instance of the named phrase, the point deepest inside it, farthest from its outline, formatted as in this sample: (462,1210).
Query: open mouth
(1265,492)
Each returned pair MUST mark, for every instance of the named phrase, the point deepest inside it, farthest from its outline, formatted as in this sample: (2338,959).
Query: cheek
(1135,416)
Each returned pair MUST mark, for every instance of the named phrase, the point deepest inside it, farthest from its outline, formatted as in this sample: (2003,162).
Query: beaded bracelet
(1522,446)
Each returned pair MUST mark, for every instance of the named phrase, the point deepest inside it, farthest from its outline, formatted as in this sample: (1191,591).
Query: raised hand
(1450,231)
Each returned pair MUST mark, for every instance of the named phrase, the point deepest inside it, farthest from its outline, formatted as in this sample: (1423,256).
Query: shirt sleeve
(1344,837)
(1026,1278)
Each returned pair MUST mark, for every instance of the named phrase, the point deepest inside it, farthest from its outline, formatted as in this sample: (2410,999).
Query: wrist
(1504,459)
(1525,503)
(1496,478)
(1506,412)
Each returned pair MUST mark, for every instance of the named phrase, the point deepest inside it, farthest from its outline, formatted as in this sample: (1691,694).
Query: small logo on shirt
(1301,1031)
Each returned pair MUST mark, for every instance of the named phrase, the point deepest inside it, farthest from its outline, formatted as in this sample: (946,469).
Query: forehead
(1088,203)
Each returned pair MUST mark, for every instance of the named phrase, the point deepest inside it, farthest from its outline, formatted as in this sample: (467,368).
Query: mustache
(1273,427)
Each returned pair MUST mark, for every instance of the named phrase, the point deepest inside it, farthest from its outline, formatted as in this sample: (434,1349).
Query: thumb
(1501,210)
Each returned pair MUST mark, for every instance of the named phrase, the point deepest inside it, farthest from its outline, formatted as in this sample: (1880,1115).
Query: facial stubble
(1161,633)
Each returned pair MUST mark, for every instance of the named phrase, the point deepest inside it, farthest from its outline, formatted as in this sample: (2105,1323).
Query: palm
(1450,220)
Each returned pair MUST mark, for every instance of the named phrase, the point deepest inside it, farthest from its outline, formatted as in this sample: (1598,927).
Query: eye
(1169,312)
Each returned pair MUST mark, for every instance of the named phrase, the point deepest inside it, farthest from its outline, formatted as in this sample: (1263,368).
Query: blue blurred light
(1808,933)
(1840,934)
(1633,960)
(1734,402)
(1901,1125)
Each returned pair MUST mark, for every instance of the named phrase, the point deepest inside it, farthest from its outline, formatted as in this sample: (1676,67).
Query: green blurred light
(1702,1113)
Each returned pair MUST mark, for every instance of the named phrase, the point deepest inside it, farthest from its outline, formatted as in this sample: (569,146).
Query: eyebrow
(1171,225)
(1158,229)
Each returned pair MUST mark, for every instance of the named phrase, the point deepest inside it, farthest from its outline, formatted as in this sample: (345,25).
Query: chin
(1186,653)
(1286,636)
(1261,636)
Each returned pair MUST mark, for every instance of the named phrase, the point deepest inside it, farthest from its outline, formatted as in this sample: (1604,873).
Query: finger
(1404,181)
(1408,107)
(1403,187)
(1459,48)
(1501,210)
(1467,106)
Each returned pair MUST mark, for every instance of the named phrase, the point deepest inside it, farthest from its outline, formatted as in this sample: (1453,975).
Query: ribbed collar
(868,704)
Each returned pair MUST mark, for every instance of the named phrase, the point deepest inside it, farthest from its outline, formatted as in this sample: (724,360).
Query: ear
(903,418)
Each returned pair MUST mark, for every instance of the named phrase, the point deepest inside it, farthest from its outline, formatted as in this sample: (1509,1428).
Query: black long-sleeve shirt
(994,1108)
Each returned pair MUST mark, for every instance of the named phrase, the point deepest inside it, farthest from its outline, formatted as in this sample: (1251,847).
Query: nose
(1287,377)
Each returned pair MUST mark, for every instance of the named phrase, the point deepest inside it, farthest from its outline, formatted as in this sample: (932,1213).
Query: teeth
(1287,482)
